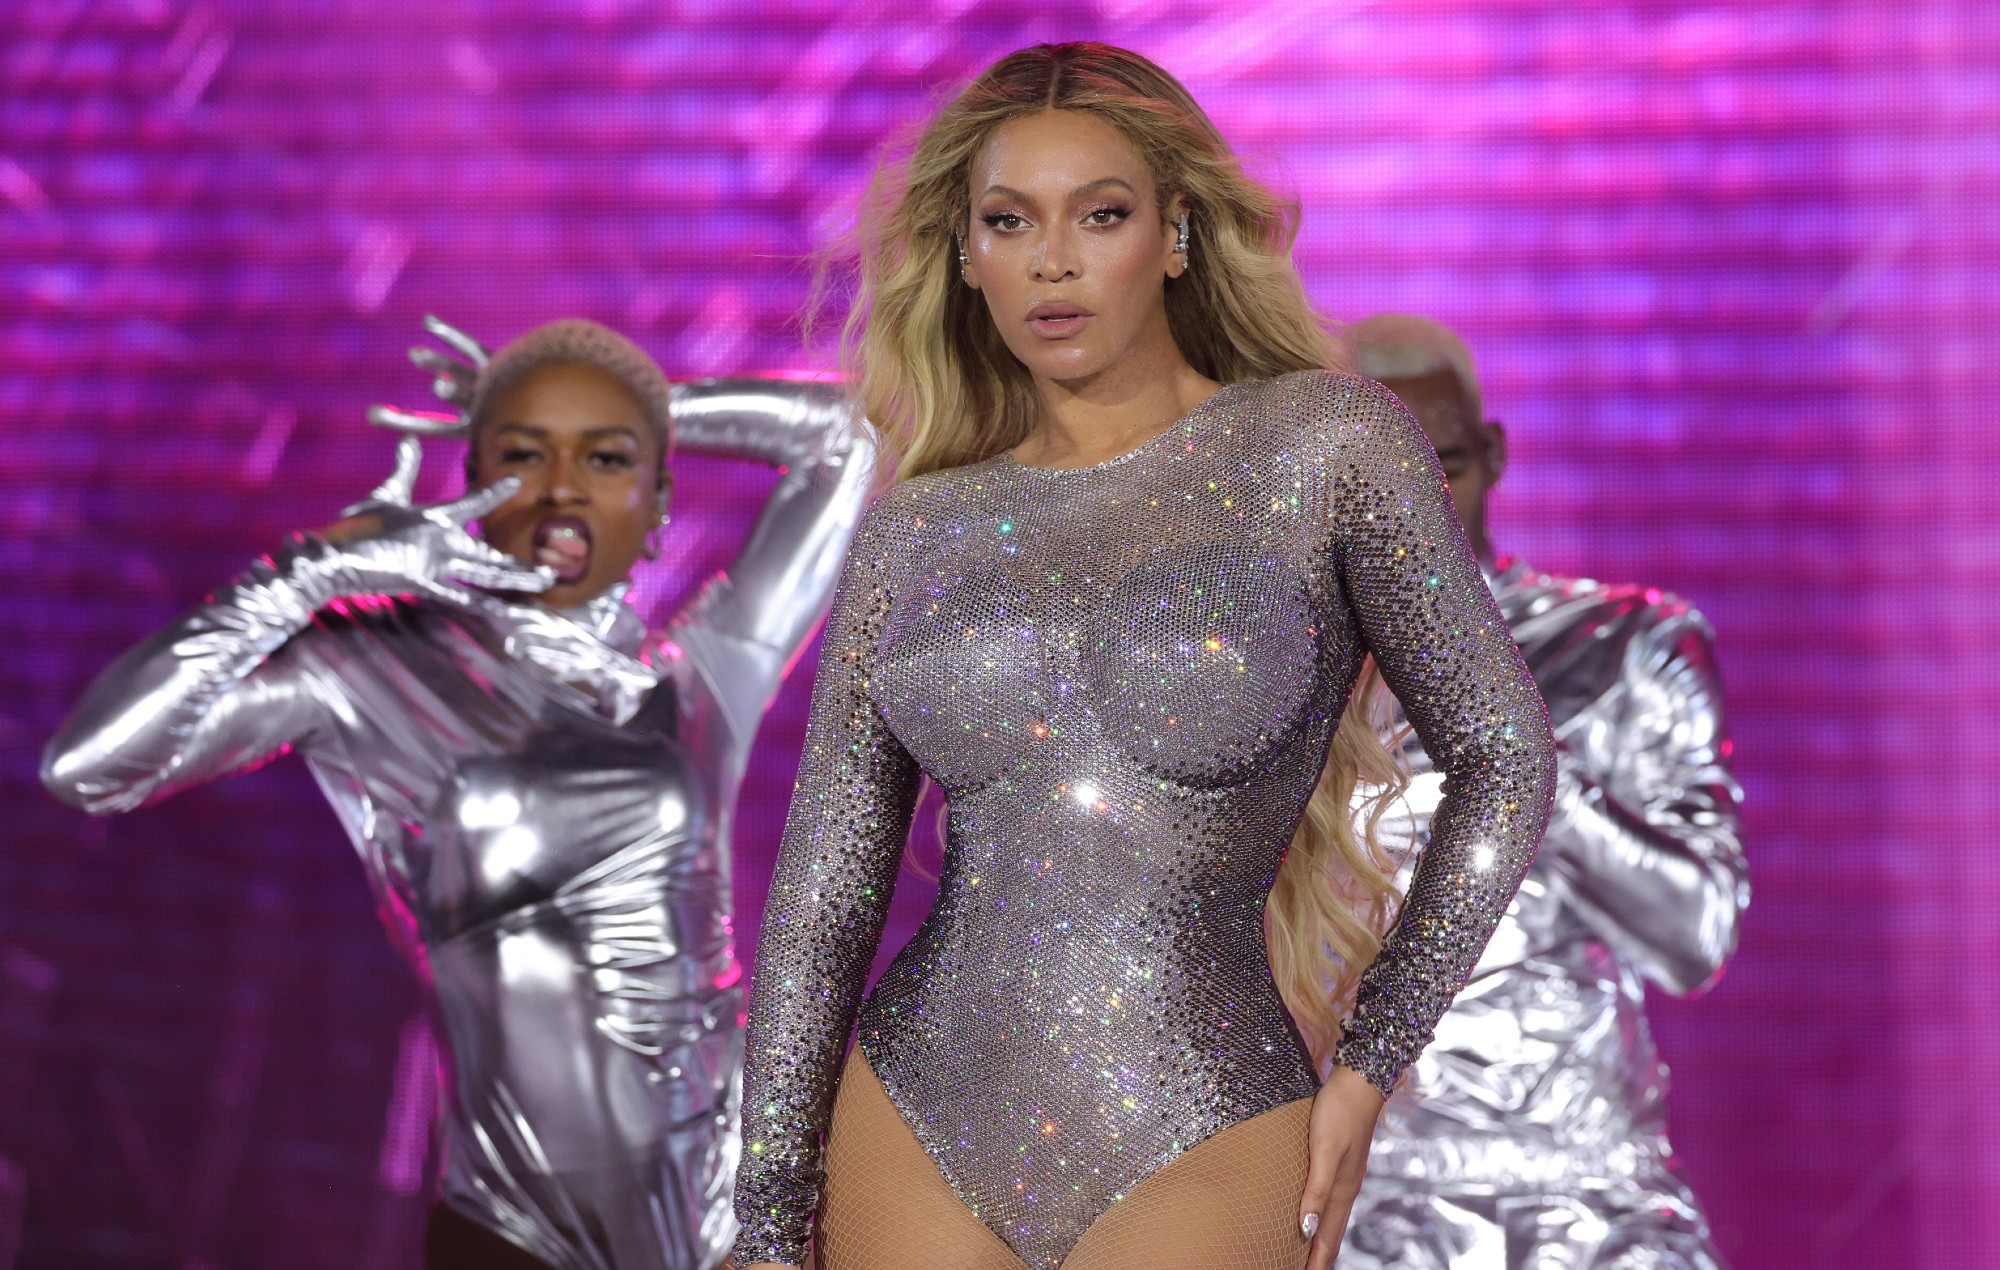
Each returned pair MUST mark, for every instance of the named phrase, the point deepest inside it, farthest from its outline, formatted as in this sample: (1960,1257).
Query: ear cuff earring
(1181,243)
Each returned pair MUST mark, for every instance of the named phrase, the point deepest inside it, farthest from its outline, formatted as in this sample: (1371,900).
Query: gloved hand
(455,380)
(387,545)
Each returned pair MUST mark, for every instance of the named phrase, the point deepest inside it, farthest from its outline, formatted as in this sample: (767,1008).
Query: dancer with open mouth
(539,786)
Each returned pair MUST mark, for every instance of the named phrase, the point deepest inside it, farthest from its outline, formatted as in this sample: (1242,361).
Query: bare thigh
(1231,1203)
(885,1205)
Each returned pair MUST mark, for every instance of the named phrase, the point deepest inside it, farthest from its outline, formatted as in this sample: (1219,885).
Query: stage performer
(1115,608)
(1533,1131)
(539,787)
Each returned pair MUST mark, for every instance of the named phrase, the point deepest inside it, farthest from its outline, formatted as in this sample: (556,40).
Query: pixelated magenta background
(1730,270)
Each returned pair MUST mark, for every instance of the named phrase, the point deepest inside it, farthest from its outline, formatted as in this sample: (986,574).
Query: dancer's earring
(653,545)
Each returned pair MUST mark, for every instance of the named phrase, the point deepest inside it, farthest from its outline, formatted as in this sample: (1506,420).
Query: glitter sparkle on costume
(1166,641)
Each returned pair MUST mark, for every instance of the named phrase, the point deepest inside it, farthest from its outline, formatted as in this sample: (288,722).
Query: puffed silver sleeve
(749,621)
(198,699)
(202,698)
(829,898)
(1651,855)
(1445,650)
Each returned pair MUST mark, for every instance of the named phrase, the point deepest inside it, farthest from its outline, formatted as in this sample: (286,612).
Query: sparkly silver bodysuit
(541,800)
(1125,679)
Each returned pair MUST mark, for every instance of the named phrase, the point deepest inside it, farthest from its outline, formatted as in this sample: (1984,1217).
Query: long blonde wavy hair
(933,374)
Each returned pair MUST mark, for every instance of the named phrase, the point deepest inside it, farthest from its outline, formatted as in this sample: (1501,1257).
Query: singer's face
(1068,243)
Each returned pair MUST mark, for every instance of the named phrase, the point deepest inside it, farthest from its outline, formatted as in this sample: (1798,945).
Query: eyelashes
(1098,217)
(602,458)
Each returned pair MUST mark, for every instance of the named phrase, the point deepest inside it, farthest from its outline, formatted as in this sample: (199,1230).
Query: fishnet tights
(1231,1203)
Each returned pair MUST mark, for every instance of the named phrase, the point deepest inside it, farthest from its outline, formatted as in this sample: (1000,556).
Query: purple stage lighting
(1729,271)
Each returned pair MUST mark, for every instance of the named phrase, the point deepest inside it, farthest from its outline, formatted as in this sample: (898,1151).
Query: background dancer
(1533,1131)
(539,786)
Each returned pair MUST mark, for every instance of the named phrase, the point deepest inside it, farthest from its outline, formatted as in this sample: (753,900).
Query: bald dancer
(1532,1132)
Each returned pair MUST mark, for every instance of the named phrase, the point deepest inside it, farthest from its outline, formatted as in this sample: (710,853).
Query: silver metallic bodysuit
(542,801)
(1533,1131)
(1125,679)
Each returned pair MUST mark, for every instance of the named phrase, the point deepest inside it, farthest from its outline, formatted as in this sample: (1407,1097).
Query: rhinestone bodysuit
(1125,679)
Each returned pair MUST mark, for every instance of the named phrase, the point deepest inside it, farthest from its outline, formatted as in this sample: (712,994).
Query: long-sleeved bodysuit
(1533,1131)
(1125,679)
(542,801)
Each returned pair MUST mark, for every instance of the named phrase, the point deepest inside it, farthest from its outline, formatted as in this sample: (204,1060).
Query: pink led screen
(1730,270)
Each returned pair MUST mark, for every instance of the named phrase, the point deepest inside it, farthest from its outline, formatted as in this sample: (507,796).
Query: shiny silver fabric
(542,804)
(1125,679)
(1532,1133)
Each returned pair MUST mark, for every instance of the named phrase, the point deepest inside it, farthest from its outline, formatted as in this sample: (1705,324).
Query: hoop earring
(653,545)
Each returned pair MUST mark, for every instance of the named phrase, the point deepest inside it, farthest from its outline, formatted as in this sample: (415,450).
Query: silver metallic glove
(401,548)
(455,382)
(169,713)
(776,422)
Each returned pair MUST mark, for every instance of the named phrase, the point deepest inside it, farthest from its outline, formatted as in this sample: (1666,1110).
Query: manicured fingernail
(1309,1225)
